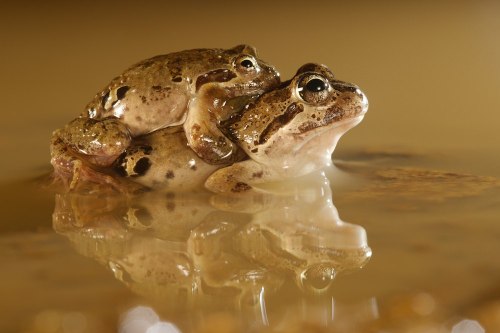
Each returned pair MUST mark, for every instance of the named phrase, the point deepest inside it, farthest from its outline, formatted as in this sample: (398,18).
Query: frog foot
(229,180)
(77,175)
(82,177)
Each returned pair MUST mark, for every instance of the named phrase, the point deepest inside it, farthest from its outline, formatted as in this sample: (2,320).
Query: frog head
(240,73)
(295,128)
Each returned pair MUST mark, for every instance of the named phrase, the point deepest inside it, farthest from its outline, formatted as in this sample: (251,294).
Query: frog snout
(349,88)
(364,100)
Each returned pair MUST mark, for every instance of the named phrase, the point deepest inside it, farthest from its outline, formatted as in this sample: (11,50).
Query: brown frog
(189,88)
(287,132)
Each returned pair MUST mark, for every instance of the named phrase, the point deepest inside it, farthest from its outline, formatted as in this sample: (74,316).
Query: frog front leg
(86,145)
(239,177)
(203,135)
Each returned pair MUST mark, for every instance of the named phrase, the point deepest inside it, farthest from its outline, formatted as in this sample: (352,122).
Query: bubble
(423,304)
(317,278)
(138,320)
(467,326)
(163,327)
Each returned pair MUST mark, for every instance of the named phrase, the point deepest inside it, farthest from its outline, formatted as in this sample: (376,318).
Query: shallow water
(416,185)
(418,255)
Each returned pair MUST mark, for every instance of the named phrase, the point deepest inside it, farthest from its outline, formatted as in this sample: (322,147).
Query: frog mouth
(345,124)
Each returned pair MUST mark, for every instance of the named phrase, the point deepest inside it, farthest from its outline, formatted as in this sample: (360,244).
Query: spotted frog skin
(288,132)
(187,88)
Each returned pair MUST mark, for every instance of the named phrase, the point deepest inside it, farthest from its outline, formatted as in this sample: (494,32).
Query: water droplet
(317,278)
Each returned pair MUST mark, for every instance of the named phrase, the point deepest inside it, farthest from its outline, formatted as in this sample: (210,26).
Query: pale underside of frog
(188,88)
(285,133)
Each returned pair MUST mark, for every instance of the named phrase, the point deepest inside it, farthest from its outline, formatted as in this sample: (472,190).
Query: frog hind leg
(100,141)
(74,172)
(238,178)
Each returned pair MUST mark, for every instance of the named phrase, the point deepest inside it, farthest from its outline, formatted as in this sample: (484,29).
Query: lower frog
(286,133)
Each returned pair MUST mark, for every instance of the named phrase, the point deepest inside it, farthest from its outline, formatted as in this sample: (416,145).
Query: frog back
(156,92)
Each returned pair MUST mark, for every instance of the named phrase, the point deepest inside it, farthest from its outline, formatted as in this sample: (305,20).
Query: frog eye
(313,89)
(246,64)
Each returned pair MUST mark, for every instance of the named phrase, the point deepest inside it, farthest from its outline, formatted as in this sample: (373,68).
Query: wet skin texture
(187,88)
(285,133)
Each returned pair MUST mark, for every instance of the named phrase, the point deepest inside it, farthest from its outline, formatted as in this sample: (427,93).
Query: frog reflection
(215,248)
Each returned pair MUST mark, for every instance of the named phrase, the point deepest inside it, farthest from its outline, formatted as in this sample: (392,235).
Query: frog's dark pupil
(316,85)
(247,63)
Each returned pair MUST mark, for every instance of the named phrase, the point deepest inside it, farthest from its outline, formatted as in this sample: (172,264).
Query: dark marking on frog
(170,174)
(104,99)
(291,111)
(120,92)
(333,114)
(196,127)
(258,174)
(157,88)
(308,126)
(193,167)
(142,166)
(144,99)
(254,150)
(177,79)
(218,75)
(241,187)
(147,149)
(170,195)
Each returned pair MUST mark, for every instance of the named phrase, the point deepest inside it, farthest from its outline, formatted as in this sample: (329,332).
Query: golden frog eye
(313,89)
(246,64)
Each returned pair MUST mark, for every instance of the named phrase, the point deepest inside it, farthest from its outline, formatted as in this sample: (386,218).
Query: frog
(285,133)
(290,131)
(188,88)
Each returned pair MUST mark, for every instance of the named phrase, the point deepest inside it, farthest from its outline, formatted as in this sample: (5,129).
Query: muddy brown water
(416,185)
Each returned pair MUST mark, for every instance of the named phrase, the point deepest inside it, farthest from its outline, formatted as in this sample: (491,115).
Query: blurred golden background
(431,69)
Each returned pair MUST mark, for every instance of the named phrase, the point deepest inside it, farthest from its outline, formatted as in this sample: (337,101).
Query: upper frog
(192,88)
(162,91)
